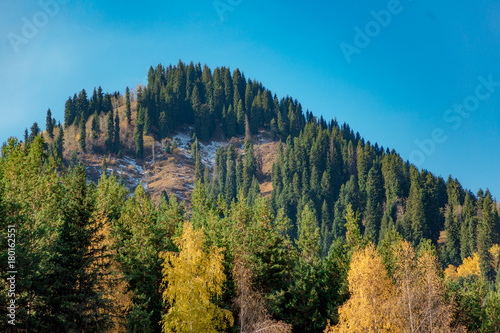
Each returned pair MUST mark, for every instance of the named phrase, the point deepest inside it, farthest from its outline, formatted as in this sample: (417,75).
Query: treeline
(90,257)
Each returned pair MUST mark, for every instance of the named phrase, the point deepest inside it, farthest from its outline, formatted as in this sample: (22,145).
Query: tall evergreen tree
(484,241)
(128,112)
(373,213)
(139,141)
(74,301)
(49,125)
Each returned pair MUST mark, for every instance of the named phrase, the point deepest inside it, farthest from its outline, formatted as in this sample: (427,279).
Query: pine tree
(128,112)
(49,124)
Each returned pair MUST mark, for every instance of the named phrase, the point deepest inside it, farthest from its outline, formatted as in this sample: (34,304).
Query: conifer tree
(128,113)
(415,218)
(49,124)
(59,143)
(373,213)
(451,252)
(73,300)
(484,241)
(69,112)
(139,141)
(35,130)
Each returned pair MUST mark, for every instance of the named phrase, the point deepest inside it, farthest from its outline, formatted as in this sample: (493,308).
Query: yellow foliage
(192,278)
(77,138)
(176,151)
(370,307)
(470,266)
(495,253)
(451,272)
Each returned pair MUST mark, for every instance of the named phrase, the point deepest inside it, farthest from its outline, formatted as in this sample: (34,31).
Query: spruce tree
(74,301)
(128,112)
(49,124)
(484,241)
(59,143)
(139,141)
(373,213)
(35,130)
(415,218)
(69,112)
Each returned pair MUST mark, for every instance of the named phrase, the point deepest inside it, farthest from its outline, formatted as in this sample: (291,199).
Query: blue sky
(421,60)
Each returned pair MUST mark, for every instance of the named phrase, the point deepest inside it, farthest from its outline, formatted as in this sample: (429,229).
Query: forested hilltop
(294,223)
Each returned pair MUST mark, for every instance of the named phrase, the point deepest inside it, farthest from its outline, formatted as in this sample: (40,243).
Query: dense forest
(352,238)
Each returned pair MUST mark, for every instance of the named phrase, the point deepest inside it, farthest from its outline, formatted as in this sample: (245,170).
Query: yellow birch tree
(192,278)
(370,308)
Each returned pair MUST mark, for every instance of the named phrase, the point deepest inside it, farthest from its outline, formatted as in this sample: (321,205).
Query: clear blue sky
(418,63)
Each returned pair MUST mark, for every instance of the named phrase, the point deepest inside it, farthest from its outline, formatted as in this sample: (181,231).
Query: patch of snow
(183,143)
(208,152)
(132,162)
